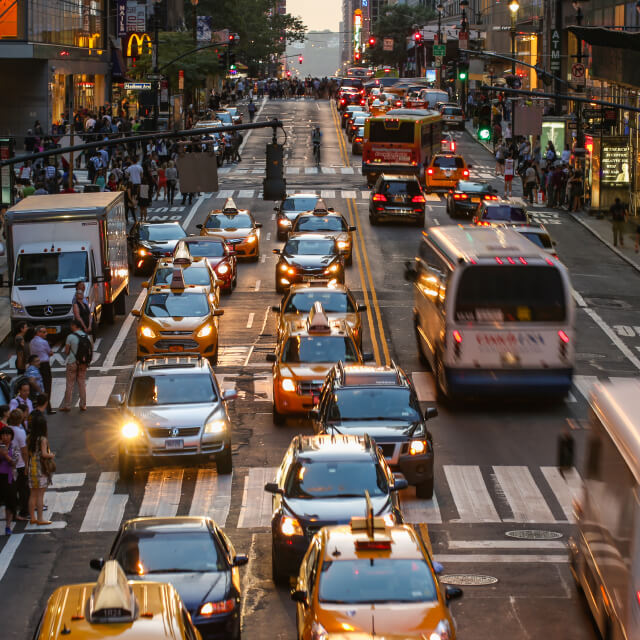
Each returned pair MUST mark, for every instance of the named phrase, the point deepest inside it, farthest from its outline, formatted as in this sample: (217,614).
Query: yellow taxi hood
(418,619)
(175,323)
(230,234)
(302,371)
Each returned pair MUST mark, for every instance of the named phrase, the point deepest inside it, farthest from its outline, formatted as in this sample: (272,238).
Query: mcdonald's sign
(135,44)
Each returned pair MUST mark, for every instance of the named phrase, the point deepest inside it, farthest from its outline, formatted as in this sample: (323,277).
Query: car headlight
(318,632)
(215,426)
(342,244)
(291,271)
(147,332)
(131,430)
(389,519)
(442,632)
(417,447)
(334,268)
(211,608)
(283,267)
(290,526)
(284,222)
(252,238)
(17,307)
(143,252)
(205,331)
(288,384)
(222,269)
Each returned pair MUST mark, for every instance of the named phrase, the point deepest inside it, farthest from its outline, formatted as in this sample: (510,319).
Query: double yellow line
(376,329)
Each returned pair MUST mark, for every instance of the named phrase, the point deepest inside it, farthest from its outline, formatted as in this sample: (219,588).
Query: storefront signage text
(139,39)
(615,164)
(137,86)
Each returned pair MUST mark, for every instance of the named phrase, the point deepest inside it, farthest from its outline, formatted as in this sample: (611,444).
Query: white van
(493,313)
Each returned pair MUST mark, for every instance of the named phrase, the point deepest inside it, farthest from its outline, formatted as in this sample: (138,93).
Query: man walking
(251,108)
(40,347)
(508,176)
(78,352)
(618,219)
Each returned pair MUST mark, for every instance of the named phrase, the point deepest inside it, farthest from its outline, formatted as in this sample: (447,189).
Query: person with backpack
(79,352)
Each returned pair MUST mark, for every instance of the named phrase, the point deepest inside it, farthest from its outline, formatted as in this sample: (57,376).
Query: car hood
(161,245)
(175,323)
(310,370)
(195,588)
(377,429)
(173,415)
(309,262)
(324,511)
(230,234)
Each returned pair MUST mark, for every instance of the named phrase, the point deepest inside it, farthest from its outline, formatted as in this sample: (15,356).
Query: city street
(502,512)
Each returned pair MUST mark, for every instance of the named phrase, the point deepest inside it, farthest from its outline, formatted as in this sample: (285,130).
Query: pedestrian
(530,182)
(618,219)
(508,175)
(20,442)
(78,351)
(33,375)
(500,152)
(576,191)
(40,404)
(41,469)
(22,400)
(251,108)
(81,309)
(171,175)
(236,141)
(8,462)
(22,348)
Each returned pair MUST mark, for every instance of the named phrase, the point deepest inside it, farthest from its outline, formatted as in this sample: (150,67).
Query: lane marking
(162,493)
(489,558)
(116,347)
(192,213)
(212,496)
(506,544)
(424,386)
(106,509)
(257,285)
(250,320)
(256,507)
(8,551)
(565,488)
(417,511)
(522,494)
(470,494)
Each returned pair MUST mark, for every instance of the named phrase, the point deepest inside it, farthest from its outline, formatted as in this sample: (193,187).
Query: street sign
(463,39)
(439,49)
(137,86)
(577,71)
(556,42)
(387,44)
(592,114)
(439,60)
(154,77)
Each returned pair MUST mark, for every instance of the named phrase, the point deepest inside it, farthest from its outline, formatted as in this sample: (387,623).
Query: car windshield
(373,402)
(162,233)
(181,305)
(360,132)
(206,249)
(383,579)
(505,213)
(448,162)
(332,302)
(539,239)
(320,223)
(309,478)
(400,188)
(452,111)
(147,552)
(319,349)
(224,117)
(299,204)
(51,268)
(473,187)
(229,221)
(309,247)
(192,275)
(172,388)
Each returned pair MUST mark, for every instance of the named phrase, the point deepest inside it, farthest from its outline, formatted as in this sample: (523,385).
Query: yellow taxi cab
(327,220)
(237,227)
(379,107)
(367,577)
(178,318)
(445,170)
(337,300)
(306,351)
(112,607)
(195,271)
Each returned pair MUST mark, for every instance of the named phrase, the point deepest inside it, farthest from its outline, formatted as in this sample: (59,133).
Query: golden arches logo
(140,39)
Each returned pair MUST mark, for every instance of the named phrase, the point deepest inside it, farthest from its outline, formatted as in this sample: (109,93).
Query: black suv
(322,481)
(397,197)
(381,402)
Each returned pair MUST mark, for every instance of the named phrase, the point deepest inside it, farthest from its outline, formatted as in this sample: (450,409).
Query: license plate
(398,199)
(174,443)
(176,347)
(308,278)
(53,329)
(475,199)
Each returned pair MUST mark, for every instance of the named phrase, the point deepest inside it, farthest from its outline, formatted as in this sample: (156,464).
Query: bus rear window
(510,294)
(403,133)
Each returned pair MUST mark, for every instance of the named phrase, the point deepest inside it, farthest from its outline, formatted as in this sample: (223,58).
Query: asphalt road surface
(495,462)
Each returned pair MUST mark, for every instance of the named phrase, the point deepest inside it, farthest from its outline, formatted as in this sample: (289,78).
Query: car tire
(279,288)
(280,578)
(120,303)
(214,358)
(224,463)
(282,237)
(126,468)
(279,419)
(438,374)
(424,490)
(256,257)
(349,261)
(373,220)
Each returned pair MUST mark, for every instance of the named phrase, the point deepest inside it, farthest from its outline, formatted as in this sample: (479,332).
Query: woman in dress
(38,449)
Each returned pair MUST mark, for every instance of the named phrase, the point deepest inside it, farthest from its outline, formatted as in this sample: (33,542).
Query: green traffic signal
(462,75)
(484,133)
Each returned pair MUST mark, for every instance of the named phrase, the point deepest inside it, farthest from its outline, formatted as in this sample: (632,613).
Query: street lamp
(156,55)
(464,26)
(439,9)
(513,7)
(194,4)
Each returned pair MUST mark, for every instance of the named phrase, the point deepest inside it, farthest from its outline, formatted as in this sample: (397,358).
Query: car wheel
(280,578)
(441,392)
(214,358)
(421,355)
(224,463)
(373,220)
(282,237)
(256,257)
(349,260)
(279,288)
(278,418)
(126,468)
(424,490)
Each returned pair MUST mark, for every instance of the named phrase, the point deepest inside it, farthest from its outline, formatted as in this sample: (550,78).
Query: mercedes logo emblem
(175,432)
(48,310)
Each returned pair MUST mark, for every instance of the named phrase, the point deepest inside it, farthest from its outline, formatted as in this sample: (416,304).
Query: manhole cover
(467,580)
(534,534)
(608,303)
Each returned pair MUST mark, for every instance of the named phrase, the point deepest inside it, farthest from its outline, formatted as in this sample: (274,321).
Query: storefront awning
(601,37)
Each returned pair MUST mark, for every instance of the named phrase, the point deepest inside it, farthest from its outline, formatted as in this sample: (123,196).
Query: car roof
(333,287)
(310,236)
(399,177)
(159,224)
(302,195)
(189,289)
(211,238)
(298,326)
(181,524)
(370,375)
(198,262)
(320,213)
(166,363)
(331,447)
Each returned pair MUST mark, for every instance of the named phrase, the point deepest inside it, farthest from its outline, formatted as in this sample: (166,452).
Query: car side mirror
(240,559)
(198,226)
(410,272)
(229,394)
(276,208)
(469,166)
(258,225)
(299,595)
(135,312)
(399,484)
(271,357)
(272,487)
(430,412)
(368,356)
(218,312)
(330,209)
(276,308)
(361,307)
(145,284)
(276,251)
(96,563)
(117,398)
(352,228)
(452,593)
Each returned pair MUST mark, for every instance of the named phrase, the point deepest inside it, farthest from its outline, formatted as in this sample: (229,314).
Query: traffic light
(232,38)
(417,36)
(300,59)
(484,133)
(463,72)
(372,41)
(356,56)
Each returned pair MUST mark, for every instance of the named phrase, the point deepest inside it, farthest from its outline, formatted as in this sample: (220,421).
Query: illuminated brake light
(499,260)
(490,197)
(465,173)
(399,103)
(417,199)
(511,261)
(549,261)
(460,196)
(522,260)
(430,171)
(563,336)
(379,197)
(453,148)
(457,337)
(373,545)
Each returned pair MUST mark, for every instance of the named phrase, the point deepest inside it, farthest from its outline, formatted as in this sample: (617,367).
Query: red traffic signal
(417,36)
(356,55)
(300,59)
(372,41)
(232,37)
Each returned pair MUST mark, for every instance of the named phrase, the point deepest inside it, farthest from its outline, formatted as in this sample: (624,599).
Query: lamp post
(194,4)
(464,28)
(156,55)
(579,150)
(439,9)
(514,6)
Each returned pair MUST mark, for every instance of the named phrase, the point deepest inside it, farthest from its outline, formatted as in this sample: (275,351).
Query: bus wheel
(440,380)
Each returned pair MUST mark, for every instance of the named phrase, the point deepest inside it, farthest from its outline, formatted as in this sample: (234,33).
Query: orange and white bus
(401,141)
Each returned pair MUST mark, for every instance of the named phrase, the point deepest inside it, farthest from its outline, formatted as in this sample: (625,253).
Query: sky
(317,14)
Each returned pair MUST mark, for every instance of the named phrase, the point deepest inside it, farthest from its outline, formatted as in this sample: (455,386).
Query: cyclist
(316,138)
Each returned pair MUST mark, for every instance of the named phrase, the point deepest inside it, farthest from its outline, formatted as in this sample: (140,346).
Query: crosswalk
(464,494)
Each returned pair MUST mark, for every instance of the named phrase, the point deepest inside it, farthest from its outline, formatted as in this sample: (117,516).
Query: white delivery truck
(56,241)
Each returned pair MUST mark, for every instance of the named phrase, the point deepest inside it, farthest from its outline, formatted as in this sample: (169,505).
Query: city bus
(493,314)
(604,554)
(400,141)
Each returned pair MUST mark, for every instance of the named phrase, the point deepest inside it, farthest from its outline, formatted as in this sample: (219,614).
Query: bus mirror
(410,273)
(565,451)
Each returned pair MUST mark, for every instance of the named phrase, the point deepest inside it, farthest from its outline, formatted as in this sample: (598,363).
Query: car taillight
(460,196)
(490,197)
(342,101)
(563,345)
(563,336)
(457,339)
(465,173)
(417,199)
(379,197)
(453,147)
(399,103)
(358,139)
(430,171)
(363,101)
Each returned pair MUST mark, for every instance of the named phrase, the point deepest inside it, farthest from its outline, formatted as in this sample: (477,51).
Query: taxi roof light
(182,255)
(177,279)
(112,599)
(371,524)
(318,322)
(230,205)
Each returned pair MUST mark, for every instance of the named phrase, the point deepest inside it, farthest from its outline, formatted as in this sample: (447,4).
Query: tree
(396,22)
